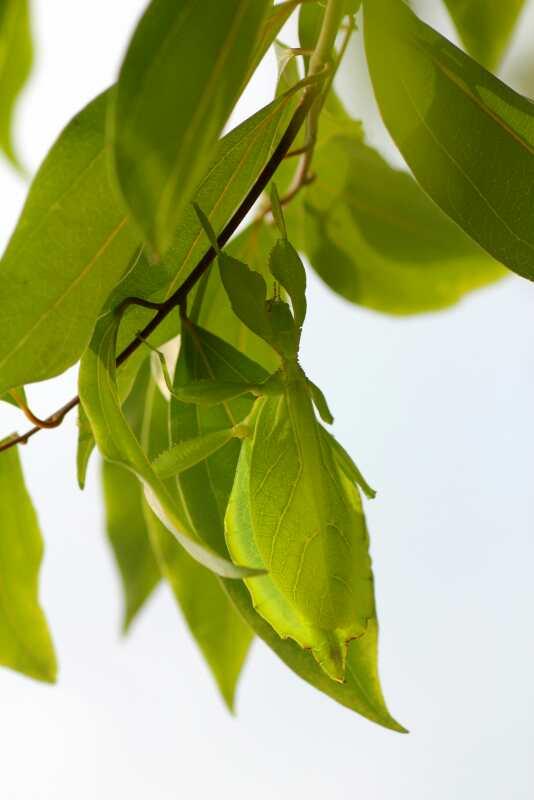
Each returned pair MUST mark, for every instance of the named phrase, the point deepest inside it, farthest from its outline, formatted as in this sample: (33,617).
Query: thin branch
(179,297)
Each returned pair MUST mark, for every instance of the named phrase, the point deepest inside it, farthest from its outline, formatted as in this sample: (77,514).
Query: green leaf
(86,445)
(69,249)
(310,22)
(218,629)
(309,530)
(25,643)
(288,269)
(128,536)
(237,161)
(376,239)
(186,454)
(117,442)
(247,292)
(127,530)
(485,26)
(361,690)
(428,91)
(252,246)
(347,465)
(180,79)
(9,397)
(272,24)
(320,403)
(206,487)
(16,59)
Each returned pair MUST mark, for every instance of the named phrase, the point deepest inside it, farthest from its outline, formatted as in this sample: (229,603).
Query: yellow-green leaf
(25,642)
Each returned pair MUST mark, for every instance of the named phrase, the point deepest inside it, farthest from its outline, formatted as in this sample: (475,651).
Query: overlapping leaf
(468,138)
(178,84)
(117,442)
(25,643)
(223,637)
(16,57)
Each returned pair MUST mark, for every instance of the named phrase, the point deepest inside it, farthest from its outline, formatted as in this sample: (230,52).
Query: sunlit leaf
(70,247)
(468,138)
(163,136)
(16,57)
(485,26)
(25,643)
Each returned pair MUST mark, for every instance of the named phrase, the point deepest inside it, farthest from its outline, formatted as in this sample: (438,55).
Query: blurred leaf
(218,629)
(468,138)
(25,643)
(163,141)
(16,59)
(70,247)
(118,443)
(376,239)
(485,26)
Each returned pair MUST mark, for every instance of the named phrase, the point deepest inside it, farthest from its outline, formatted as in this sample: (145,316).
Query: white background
(436,409)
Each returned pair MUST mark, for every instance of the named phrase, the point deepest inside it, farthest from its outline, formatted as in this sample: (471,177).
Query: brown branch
(180,295)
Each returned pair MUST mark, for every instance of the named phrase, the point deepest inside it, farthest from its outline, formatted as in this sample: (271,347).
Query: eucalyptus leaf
(25,642)
(70,247)
(117,442)
(485,26)
(85,447)
(468,138)
(163,139)
(10,397)
(16,59)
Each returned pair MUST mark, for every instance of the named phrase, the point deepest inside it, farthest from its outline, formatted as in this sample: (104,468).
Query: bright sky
(437,410)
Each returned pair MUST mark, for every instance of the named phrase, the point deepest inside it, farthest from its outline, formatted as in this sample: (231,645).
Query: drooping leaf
(85,447)
(117,442)
(309,530)
(178,84)
(485,26)
(124,504)
(288,269)
(70,247)
(252,246)
(25,643)
(128,536)
(376,239)
(16,58)
(428,92)
(218,629)
(361,690)
(247,292)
